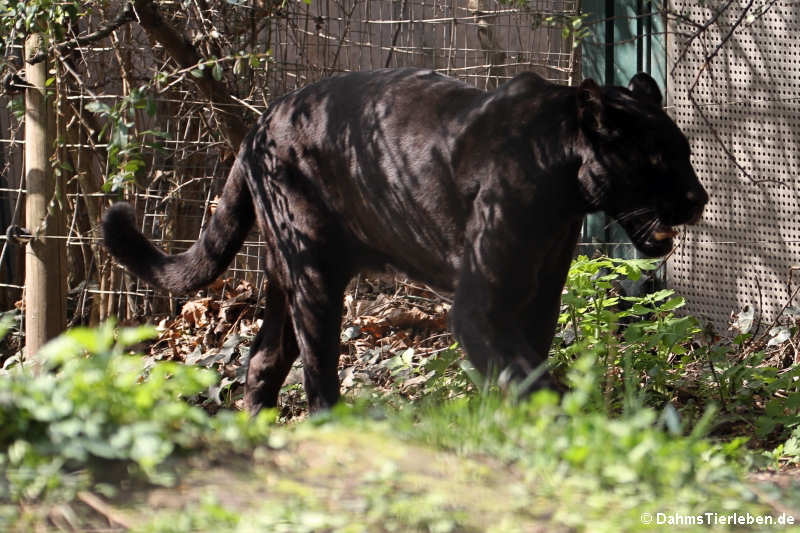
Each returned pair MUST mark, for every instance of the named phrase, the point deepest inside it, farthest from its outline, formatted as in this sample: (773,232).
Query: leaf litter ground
(385,317)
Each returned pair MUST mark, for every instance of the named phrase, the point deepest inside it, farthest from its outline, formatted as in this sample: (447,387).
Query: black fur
(203,262)
(478,193)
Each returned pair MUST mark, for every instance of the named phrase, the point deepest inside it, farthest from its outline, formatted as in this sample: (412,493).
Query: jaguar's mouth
(649,233)
(662,233)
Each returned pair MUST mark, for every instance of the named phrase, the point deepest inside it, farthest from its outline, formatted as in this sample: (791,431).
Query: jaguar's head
(635,163)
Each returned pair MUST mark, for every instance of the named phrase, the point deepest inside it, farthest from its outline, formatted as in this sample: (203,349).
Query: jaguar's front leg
(487,322)
(496,285)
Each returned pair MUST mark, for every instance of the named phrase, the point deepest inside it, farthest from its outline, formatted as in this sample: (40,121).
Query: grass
(104,439)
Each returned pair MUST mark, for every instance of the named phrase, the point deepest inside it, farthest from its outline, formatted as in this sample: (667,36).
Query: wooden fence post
(45,306)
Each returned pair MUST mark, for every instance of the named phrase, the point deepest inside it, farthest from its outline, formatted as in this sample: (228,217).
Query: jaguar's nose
(697,196)
(696,213)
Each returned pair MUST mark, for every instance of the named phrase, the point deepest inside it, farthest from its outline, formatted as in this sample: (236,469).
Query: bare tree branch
(125,16)
(700,31)
(710,57)
(187,56)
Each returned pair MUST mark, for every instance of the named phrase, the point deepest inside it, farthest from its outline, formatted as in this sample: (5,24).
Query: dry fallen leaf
(194,311)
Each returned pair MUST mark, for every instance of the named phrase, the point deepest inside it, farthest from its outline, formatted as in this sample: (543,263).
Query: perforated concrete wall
(749,238)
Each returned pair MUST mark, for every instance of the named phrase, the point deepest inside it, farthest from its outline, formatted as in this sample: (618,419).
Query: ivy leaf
(98,107)
(780,334)
(673,303)
(150,107)
(216,71)
(744,320)
(238,66)
(792,312)
(764,425)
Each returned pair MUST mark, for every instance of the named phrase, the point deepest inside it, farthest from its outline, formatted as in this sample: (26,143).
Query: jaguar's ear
(645,89)
(591,109)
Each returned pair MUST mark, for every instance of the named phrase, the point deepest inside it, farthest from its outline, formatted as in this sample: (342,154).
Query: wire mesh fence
(126,109)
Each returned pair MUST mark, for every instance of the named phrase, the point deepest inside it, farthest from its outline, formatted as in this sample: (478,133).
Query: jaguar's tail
(205,260)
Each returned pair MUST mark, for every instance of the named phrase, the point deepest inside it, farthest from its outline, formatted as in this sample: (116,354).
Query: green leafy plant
(443,374)
(18,19)
(620,442)
(758,393)
(635,339)
(645,354)
(125,159)
(572,26)
(91,403)
(613,467)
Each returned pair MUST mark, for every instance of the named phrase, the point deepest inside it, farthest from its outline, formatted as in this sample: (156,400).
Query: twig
(396,35)
(701,29)
(186,56)
(255,110)
(760,308)
(113,515)
(716,379)
(125,16)
(780,313)
(725,148)
(425,288)
(710,57)
(343,38)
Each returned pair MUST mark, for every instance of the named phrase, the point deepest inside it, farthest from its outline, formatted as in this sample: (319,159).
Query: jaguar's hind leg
(316,311)
(310,256)
(272,354)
